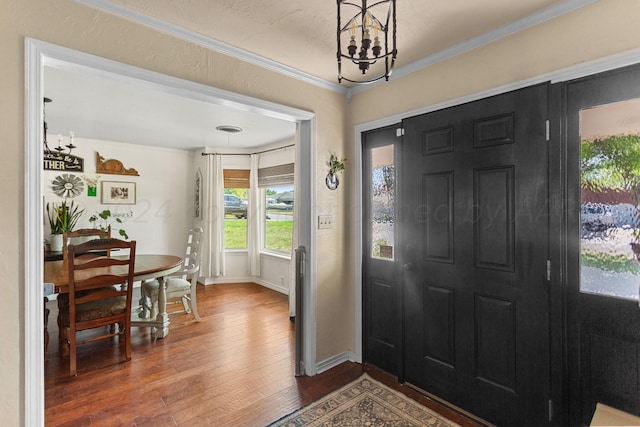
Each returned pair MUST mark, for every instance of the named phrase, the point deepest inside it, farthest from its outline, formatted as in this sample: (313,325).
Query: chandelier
(369,32)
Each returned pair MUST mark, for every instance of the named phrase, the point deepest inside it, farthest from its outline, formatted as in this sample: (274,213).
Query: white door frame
(37,55)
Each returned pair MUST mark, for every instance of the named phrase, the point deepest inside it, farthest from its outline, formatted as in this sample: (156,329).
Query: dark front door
(473,208)
(603,165)
(382,296)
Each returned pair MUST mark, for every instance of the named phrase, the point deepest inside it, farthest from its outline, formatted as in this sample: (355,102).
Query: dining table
(147,266)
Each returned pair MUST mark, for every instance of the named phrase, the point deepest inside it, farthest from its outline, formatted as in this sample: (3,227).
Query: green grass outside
(606,262)
(277,235)
(235,233)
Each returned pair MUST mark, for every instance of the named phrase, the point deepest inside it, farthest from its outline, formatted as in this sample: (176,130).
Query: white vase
(55,243)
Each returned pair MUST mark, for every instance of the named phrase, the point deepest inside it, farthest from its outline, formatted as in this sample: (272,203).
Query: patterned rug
(364,402)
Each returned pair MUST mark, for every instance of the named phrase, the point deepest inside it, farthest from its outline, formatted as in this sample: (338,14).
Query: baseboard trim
(228,281)
(333,361)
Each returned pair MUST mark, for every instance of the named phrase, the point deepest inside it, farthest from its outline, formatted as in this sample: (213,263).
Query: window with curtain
(236,192)
(277,183)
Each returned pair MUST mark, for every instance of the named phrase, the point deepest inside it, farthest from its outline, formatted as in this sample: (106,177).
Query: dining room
(151,194)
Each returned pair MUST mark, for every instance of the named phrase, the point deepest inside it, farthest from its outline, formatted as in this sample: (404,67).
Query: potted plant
(335,166)
(103,221)
(62,219)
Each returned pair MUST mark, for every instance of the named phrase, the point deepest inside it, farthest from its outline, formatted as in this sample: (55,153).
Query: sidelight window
(609,196)
(382,202)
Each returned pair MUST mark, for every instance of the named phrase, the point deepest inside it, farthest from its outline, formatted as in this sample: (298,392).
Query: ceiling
(97,107)
(295,37)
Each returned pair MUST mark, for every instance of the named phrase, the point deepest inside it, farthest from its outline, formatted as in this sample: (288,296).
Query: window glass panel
(382,202)
(609,192)
(278,229)
(235,218)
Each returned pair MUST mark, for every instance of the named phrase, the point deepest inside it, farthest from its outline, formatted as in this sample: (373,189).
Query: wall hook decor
(335,166)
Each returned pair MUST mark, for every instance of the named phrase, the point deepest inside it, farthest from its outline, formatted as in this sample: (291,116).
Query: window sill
(278,255)
(232,251)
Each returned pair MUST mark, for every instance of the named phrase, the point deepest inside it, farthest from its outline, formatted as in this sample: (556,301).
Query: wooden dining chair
(76,237)
(82,235)
(100,292)
(181,284)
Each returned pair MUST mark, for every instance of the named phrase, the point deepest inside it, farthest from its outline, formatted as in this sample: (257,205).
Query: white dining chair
(181,284)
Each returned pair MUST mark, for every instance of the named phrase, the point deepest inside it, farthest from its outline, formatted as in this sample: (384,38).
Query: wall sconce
(335,166)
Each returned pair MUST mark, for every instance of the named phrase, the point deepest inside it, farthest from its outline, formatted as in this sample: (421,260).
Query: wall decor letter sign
(62,162)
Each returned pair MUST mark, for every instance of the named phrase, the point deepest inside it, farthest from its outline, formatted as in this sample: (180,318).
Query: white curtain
(255,218)
(213,250)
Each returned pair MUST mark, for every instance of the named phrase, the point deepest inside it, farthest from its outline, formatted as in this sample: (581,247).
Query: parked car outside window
(234,205)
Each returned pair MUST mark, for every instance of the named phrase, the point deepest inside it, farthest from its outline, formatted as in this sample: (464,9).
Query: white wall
(164,208)
(275,272)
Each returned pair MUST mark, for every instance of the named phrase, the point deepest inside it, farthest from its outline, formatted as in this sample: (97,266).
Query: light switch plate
(325,221)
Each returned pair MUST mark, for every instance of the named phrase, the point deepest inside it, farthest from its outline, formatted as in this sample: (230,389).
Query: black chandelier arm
(369,60)
(373,80)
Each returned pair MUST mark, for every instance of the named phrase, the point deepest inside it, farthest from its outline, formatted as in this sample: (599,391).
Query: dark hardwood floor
(235,368)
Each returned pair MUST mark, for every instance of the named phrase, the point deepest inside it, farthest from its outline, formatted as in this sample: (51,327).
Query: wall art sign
(198,195)
(62,162)
(118,193)
(113,166)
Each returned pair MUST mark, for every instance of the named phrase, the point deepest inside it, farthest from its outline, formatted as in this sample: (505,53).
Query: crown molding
(211,43)
(484,39)
(243,55)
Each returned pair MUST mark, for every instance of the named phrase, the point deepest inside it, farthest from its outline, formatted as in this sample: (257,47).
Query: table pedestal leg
(162,328)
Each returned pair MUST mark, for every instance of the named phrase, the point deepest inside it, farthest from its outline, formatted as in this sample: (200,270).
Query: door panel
(382,293)
(603,318)
(474,225)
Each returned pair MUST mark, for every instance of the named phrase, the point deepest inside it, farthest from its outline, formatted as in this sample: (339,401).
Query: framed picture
(118,193)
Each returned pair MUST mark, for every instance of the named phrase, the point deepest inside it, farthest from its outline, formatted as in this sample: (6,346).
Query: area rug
(364,402)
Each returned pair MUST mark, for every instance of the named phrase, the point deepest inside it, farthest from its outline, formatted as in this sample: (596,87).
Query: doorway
(475,239)
(472,240)
(38,54)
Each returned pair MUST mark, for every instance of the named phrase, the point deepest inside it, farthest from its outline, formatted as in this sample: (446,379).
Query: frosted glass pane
(382,202)
(609,194)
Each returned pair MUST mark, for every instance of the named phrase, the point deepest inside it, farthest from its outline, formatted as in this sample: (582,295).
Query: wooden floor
(235,368)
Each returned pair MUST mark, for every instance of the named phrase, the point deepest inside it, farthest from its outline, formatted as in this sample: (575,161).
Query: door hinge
(400,132)
(548,270)
(547,130)
(550,410)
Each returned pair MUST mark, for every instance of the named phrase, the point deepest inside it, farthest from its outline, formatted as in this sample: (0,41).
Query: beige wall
(599,30)
(68,24)
(595,31)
